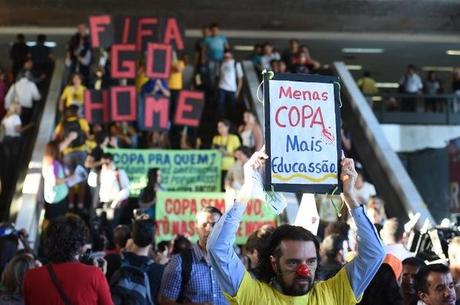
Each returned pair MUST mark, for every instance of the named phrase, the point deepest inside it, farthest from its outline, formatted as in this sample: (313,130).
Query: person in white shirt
(392,236)
(230,84)
(24,92)
(114,189)
(410,83)
(11,145)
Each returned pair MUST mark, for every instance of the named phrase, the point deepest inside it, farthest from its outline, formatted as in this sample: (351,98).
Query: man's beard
(294,289)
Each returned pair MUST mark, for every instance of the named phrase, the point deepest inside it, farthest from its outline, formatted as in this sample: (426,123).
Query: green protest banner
(181,170)
(176,214)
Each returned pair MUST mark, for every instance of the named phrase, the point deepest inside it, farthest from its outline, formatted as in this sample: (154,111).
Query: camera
(89,257)
(8,229)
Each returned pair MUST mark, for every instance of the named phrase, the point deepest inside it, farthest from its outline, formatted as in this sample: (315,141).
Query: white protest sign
(304,139)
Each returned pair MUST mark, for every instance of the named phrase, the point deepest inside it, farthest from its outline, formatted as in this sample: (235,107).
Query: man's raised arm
(226,263)
(371,253)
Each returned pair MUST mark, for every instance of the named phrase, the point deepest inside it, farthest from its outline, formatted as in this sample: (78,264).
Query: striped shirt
(203,286)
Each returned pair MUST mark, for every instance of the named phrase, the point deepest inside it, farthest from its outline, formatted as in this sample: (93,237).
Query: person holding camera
(226,143)
(65,280)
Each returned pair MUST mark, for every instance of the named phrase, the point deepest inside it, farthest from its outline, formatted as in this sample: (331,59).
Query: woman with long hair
(54,178)
(226,143)
(73,93)
(12,279)
(148,196)
(250,132)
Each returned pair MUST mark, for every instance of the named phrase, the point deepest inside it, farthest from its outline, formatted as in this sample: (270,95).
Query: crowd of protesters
(76,265)
(103,254)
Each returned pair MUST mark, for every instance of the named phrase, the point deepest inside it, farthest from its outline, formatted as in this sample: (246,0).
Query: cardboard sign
(123,64)
(189,108)
(181,170)
(158,64)
(106,30)
(302,132)
(101,31)
(173,33)
(147,31)
(125,29)
(97,106)
(123,102)
(156,113)
(176,214)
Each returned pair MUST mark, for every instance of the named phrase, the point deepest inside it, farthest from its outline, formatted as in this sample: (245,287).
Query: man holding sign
(287,269)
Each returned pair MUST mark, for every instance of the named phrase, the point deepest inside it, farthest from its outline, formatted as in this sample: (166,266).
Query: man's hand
(348,178)
(251,167)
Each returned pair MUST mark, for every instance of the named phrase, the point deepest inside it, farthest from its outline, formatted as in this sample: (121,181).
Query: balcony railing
(397,108)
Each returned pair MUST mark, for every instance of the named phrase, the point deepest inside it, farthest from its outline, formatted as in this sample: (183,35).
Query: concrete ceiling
(395,16)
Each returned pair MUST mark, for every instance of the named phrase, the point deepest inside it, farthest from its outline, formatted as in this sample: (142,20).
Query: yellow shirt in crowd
(367,86)
(230,143)
(175,79)
(73,96)
(336,290)
(141,79)
(59,133)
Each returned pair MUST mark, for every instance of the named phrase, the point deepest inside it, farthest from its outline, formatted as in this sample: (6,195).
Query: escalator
(14,171)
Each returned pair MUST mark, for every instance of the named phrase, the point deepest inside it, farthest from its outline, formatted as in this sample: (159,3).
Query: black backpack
(74,125)
(130,285)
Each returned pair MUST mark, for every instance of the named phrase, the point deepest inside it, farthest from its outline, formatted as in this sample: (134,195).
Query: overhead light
(387,85)
(363,50)
(377,98)
(49,44)
(244,48)
(440,69)
(354,67)
(453,52)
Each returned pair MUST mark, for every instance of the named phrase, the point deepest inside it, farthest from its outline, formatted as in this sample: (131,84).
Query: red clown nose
(303,270)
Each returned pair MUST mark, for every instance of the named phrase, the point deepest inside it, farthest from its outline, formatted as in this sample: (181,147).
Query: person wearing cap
(288,267)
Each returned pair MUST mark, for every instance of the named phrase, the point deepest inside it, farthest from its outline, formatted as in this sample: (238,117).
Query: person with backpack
(136,279)
(188,277)
(75,151)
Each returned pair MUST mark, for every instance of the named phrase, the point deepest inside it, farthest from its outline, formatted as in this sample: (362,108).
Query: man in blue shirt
(201,285)
(213,49)
(291,258)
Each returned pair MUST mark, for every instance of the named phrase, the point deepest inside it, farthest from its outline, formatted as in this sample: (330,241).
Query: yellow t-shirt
(73,96)
(336,290)
(367,86)
(231,143)
(141,79)
(175,79)
(59,133)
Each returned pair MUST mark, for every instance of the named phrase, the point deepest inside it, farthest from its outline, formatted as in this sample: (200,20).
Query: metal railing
(426,109)
(26,203)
